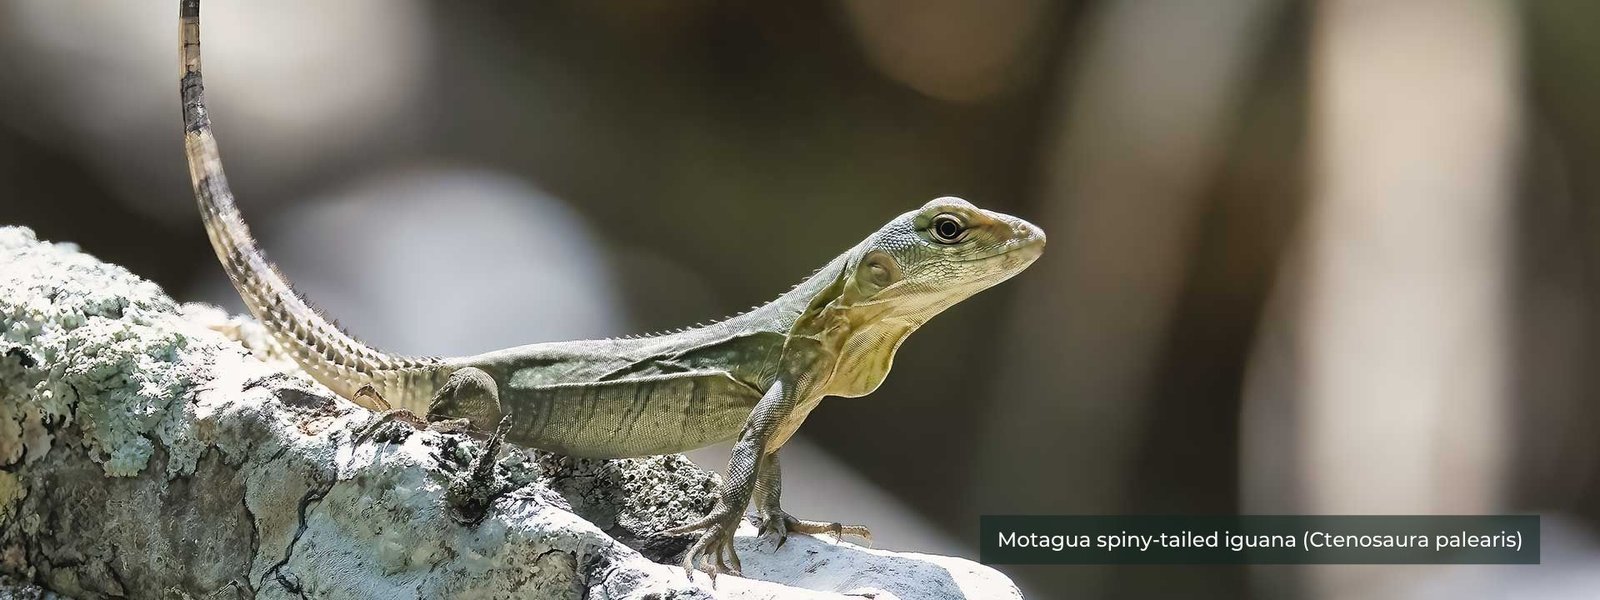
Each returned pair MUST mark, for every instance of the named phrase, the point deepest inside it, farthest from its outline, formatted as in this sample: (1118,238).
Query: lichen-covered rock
(11,589)
(149,450)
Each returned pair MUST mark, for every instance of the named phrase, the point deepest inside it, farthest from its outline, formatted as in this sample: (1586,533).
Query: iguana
(753,377)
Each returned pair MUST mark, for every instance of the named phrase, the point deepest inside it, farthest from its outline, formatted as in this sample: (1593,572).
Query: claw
(689,559)
(778,526)
(713,552)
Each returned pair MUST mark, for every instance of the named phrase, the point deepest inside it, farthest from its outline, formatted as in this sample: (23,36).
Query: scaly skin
(753,377)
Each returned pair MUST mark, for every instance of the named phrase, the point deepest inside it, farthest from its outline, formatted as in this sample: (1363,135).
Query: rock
(149,450)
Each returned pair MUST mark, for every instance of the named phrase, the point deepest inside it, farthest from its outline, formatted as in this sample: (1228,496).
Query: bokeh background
(1306,257)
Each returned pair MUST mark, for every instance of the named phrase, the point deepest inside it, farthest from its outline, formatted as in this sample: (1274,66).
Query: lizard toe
(692,527)
(384,419)
(776,525)
(837,530)
(713,553)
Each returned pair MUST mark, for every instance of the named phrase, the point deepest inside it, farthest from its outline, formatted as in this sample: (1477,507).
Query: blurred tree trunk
(1558,266)
(1141,136)
(1396,311)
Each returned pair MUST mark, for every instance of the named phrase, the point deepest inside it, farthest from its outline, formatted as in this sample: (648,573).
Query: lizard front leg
(714,550)
(773,519)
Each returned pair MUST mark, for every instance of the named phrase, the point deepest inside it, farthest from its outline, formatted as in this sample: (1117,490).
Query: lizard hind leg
(469,397)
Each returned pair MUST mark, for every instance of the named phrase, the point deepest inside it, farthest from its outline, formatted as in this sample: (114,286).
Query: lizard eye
(947,229)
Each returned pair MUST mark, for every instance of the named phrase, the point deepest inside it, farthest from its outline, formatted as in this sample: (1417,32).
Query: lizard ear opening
(877,270)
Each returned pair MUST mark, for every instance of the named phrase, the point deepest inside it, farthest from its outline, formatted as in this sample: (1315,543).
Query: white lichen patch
(90,344)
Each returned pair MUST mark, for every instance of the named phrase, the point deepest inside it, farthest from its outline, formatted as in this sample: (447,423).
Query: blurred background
(1327,257)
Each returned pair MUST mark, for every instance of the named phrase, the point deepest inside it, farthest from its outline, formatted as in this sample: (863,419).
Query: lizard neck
(859,342)
(782,315)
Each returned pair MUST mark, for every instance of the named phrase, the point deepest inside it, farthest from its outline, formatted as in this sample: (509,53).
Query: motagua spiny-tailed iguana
(753,377)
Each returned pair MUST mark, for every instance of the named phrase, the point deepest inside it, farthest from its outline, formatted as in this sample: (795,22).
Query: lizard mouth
(1023,249)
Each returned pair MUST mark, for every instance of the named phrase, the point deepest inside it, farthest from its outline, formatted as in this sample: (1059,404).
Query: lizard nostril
(1028,232)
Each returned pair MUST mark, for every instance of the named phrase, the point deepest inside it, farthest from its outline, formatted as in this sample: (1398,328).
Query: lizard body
(753,377)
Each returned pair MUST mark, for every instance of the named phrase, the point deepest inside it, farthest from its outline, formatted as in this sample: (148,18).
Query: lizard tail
(328,354)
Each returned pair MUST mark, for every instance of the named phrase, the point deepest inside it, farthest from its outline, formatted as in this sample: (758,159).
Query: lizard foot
(475,490)
(782,524)
(713,552)
(383,420)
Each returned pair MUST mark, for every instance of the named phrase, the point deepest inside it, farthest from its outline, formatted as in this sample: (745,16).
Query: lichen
(16,377)
(92,345)
(11,492)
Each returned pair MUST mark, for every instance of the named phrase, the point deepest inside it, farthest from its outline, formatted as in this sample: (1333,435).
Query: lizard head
(913,268)
(927,260)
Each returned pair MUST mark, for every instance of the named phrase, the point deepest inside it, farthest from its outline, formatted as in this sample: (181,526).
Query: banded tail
(331,356)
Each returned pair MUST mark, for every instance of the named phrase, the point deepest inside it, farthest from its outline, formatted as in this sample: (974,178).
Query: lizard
(752,378)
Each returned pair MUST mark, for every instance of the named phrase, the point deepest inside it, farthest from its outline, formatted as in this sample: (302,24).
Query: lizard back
(637,396)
